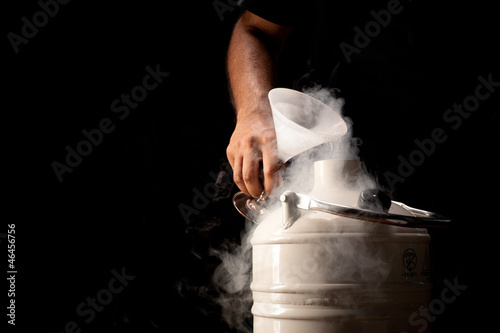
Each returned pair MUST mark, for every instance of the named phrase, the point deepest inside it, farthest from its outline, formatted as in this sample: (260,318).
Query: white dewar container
(329,273)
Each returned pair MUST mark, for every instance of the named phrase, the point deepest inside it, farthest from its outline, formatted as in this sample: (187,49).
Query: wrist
(260,109)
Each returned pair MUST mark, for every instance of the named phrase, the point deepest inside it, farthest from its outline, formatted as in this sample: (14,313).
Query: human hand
(252,146)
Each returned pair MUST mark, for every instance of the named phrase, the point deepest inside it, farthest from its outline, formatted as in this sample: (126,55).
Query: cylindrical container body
(333,274)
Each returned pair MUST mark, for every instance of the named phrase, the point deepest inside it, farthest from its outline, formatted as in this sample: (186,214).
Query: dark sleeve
(283,12)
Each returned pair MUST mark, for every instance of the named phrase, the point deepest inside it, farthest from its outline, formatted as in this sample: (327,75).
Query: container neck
(333,180)
(335,173)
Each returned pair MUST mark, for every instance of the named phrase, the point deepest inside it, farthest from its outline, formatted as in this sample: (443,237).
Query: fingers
(246,175)
(244,160)
(250,174)
(237,166)
(246,153)
(270,167)
(246,167)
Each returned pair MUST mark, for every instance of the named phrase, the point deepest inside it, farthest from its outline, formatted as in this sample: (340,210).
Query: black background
(119,208)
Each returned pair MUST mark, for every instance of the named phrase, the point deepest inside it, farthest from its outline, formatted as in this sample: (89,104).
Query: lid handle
(293,201)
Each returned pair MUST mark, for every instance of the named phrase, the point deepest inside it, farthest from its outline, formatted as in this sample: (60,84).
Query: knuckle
(238,179)
(268,135)
(229,151)
(249,140)
(268,172)
(247,178)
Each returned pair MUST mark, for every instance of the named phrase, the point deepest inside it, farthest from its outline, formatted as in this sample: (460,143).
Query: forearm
(252,56)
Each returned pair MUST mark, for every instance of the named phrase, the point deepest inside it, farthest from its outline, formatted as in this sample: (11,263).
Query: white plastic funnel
(302,122)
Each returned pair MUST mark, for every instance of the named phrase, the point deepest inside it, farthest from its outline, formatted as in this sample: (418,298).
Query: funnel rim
(340,123)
